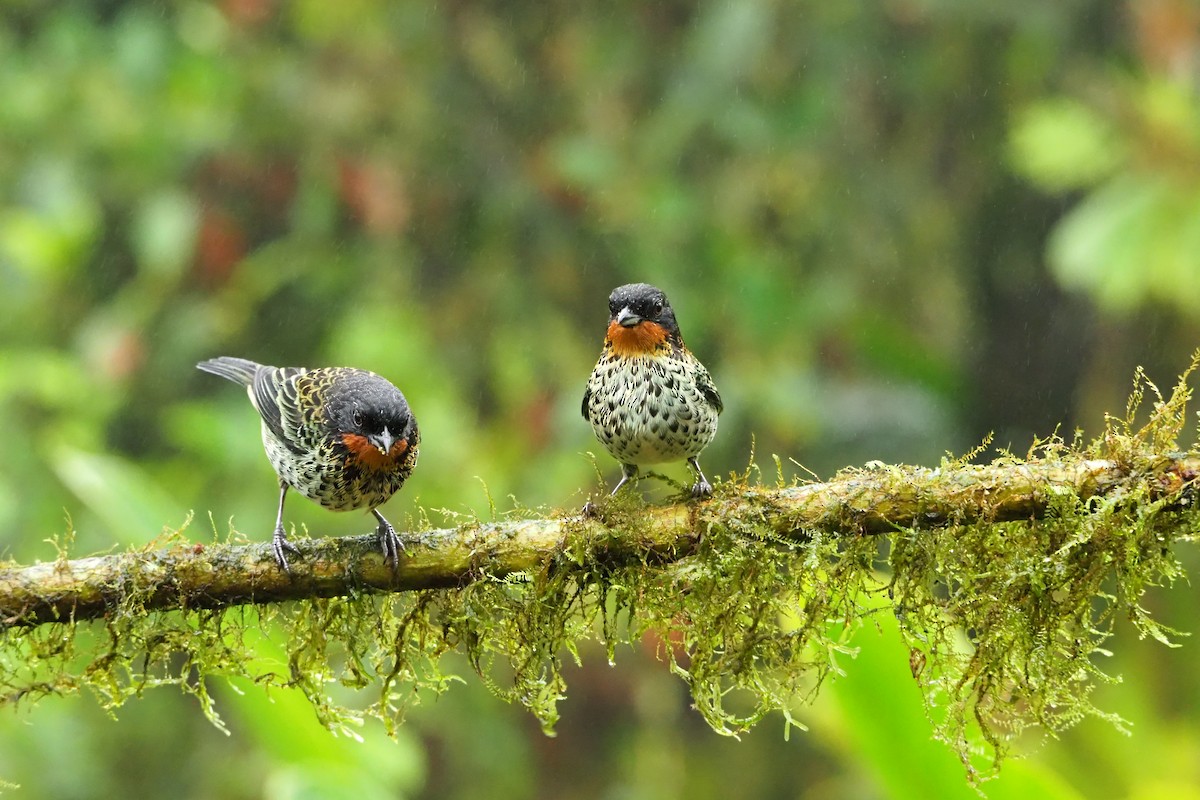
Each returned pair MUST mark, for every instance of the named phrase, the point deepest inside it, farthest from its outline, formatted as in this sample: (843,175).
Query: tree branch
(869,501)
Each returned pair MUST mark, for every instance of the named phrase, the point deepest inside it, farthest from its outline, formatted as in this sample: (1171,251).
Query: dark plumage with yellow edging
(649,400)
(343,437)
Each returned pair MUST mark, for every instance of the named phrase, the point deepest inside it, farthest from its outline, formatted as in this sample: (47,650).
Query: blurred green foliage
(1135,237)
(887,228)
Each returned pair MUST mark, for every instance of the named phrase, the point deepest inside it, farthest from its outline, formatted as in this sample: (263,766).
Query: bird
(648,399)
(343,437)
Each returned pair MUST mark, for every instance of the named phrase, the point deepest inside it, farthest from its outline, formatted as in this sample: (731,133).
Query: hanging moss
(1007,580)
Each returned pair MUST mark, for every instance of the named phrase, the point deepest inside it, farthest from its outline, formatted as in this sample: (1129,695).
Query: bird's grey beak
(383,440)
(627,319)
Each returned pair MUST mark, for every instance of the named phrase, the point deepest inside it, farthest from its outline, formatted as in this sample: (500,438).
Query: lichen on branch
(1006,579)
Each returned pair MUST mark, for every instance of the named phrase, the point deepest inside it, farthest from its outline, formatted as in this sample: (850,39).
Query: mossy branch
(1006,581)
(883,499)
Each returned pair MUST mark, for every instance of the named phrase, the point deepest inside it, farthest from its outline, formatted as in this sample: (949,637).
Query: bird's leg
(389,542)
(701,488)
(628,472)
(279,543)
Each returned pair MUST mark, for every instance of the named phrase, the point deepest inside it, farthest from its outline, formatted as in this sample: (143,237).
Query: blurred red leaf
(376,195)
(220,246)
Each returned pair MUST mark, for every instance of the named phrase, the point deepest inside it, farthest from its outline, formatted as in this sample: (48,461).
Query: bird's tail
(238,370)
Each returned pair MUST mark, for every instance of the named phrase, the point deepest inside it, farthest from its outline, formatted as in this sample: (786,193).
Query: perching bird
(649,400)
(343,437)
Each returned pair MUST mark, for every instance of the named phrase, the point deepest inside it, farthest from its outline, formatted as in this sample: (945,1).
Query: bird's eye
(357,418)
(658,307)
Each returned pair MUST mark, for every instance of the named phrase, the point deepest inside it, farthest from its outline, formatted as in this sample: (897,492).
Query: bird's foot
(281,547)
(389,543)
(701,489)
(590,510)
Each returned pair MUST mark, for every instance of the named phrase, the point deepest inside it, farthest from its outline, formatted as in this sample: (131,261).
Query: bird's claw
(390,544)
(702,490)
(280,546)
(590,510)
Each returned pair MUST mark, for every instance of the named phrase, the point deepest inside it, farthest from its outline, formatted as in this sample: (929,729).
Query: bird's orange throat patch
(367,455)
(640,340)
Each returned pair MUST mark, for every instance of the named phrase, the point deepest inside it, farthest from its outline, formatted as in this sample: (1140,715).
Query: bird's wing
(708,389)
(587,395)
(277,400)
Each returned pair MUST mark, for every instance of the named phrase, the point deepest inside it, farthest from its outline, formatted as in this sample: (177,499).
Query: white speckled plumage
(649,409)
(649,400)
(325,432)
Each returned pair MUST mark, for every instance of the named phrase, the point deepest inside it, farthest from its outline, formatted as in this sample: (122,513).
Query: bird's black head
(370,416)
(640,316)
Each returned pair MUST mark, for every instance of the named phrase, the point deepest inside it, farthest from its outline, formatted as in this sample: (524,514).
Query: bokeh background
(888,228)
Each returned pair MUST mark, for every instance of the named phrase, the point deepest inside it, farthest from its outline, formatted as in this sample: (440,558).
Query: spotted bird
(649,400)
(343,437)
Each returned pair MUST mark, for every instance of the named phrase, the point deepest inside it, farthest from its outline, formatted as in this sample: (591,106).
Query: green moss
(1007,621)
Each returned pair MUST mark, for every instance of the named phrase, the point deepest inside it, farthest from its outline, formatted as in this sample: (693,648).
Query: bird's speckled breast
(323,475)
(648,409)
